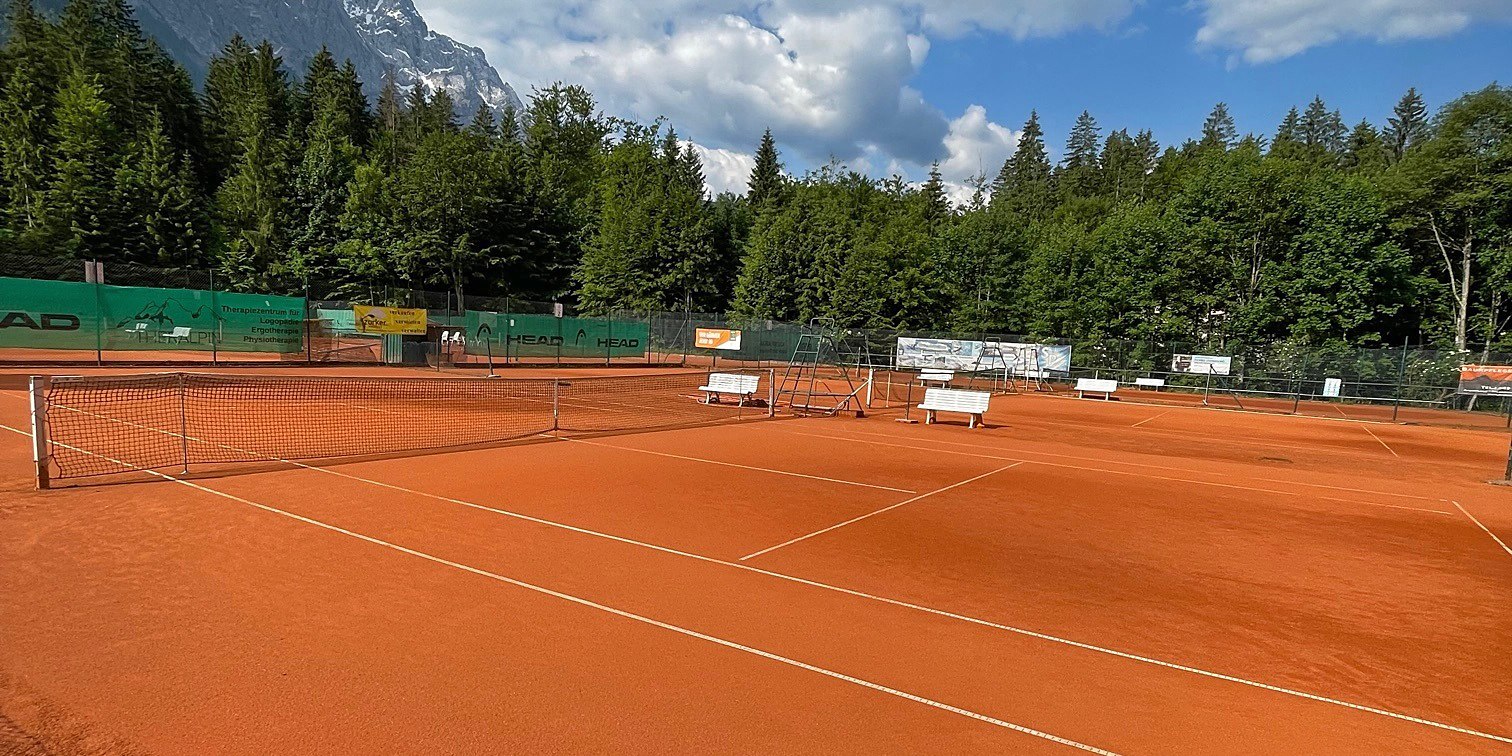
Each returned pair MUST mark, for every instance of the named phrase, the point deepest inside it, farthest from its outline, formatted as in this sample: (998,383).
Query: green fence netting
(82,316)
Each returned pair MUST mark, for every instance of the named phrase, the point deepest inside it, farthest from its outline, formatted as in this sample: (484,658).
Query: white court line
(1499,542)
(733,464)
(1373,435)
(620,612)
(1148,419)
(901,603)
(1083,468)
(1148,466)
(837,526)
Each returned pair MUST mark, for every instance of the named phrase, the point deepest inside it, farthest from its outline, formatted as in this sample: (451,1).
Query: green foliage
(1316,236)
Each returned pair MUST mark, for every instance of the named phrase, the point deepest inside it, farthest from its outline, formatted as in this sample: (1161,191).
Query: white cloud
(725,170)
(831,78)
(1268,30)
(976,147)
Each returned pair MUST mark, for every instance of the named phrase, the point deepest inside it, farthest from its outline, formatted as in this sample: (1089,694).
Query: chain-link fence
(143,314)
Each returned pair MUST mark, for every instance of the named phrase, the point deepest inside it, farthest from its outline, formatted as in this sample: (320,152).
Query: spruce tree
(76,203)
(934,202)
(1025,182)
(1288,142)
(766,182)
(1408,125)
(158,217)
(1365,150)
(25,112)
(1219,131)
(483,125)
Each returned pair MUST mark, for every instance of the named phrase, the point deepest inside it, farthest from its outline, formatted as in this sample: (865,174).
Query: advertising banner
(390,320)
(1486,380)
(1042,360)
(1201,364)
(549,336)
(68,315)
(722,339)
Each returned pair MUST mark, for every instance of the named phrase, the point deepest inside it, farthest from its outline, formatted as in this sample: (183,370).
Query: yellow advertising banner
(717,338)
(389,320)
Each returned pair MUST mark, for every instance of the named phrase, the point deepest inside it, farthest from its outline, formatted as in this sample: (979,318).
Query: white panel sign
(1201,364)
(1333,387)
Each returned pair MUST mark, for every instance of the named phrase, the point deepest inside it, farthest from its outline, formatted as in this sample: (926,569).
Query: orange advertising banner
(1486,380)
(717,338)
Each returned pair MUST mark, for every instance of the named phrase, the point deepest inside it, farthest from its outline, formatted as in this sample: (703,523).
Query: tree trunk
(1462,316)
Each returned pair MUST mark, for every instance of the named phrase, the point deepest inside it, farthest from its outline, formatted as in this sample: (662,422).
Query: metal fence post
(1401,376)
(38,393)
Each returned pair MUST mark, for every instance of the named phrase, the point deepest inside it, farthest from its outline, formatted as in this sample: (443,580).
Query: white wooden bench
(1154,383)
(935,375)
(735,384)
(971,403)
(178,335)
(1104,386)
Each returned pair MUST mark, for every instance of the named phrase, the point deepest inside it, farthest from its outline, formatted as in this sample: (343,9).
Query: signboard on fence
(722,339)
(41,314)
(1486,380)
(1201,364)
(389,320)
(964,355)
(1333,388)
(550,336)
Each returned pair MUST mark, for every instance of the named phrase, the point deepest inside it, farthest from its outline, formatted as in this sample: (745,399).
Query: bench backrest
(1154,382)
(1097,385)
(180,331)
(933,374)
(734,383)
(956,400)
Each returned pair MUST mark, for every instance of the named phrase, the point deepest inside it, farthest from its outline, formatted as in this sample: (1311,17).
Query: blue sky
(1151,75)
(891,86)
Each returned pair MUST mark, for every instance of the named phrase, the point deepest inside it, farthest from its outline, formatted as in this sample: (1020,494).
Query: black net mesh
(116,424)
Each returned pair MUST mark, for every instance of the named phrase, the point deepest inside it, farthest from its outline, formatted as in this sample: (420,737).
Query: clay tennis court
(1104,576)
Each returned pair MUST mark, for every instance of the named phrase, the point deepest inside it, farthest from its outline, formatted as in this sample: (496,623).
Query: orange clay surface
(1079,575)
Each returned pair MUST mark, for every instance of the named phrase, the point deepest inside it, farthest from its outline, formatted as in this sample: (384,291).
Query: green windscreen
(548,336)
(67,315)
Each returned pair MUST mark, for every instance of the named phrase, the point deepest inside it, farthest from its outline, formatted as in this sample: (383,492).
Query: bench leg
(974,421)
(928,417)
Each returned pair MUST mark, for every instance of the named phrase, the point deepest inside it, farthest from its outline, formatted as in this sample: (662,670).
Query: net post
(38,395)
(183,420)
(556,404)
(871,379)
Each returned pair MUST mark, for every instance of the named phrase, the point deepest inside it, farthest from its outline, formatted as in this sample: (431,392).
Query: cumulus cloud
(831,78)
(725,170)
(976,147)
(1262,31)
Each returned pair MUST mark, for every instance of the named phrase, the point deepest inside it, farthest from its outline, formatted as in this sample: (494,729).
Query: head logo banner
(1486,380)
(389,320)
(717,338)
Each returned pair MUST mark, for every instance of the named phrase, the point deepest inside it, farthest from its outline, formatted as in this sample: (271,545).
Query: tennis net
(105,425)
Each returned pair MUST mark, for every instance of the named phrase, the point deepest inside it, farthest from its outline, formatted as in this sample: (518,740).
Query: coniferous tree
(1408,124)
(75,207)
(1219,131)
(483,124)
(1079,176)
(156,205)
(1025,183)
(25,120)
(766,182)
(1365,150)
(1288,142)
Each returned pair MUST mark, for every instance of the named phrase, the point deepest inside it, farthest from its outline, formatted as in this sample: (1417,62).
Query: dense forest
(316,182)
